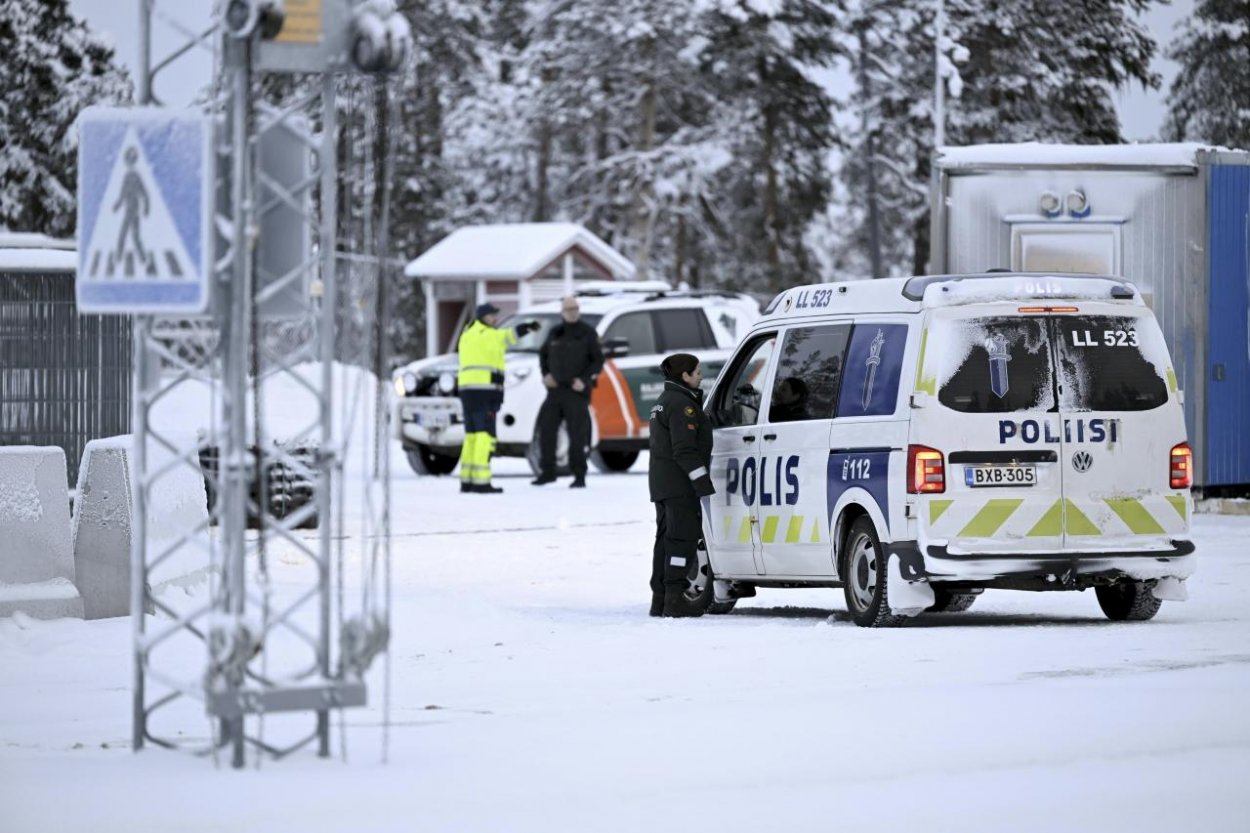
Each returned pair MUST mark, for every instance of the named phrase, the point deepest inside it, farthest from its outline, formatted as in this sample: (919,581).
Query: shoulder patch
(689,410)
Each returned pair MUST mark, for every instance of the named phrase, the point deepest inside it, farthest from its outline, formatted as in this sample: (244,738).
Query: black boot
(466,487)
(543,479)
(487,489)
(675,604)
(657,603)
(579,482)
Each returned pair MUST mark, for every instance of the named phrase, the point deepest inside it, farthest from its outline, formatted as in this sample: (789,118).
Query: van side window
(637,329)
(1110,363)
(808,373)
(873,363)
(683,329)
(738,400)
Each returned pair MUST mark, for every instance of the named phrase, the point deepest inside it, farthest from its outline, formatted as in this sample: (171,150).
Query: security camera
(243,18)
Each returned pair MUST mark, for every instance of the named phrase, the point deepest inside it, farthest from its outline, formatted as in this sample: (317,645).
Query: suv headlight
(406,383)
(446,382)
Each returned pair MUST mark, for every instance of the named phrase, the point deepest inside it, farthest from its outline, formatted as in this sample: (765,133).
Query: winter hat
(484,310)
(677,364)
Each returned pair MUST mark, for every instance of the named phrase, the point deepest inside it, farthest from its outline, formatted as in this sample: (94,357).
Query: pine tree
(1210,98)
(1033,70)
(52,68)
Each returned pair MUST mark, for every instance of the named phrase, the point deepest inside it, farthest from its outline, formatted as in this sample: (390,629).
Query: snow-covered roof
(1040,155)
(36,252)
(514,251)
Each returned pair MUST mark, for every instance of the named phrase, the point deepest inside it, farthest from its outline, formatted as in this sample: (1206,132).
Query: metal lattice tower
(279,328)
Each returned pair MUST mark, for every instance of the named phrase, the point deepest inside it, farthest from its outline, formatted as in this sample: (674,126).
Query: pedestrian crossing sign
(145,211)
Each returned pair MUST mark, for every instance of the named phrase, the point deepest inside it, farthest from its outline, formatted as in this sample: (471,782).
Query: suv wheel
(425,460)
(533,455)
(613,461)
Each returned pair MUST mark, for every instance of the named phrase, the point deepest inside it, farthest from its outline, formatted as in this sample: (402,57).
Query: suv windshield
(1005,364)
(531,342)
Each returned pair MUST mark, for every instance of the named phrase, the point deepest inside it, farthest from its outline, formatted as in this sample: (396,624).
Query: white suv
(638,328)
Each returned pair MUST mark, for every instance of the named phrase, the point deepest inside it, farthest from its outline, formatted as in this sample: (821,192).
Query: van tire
(533,455)
(866,579)
(946,601)
(1128,601)
(610,462)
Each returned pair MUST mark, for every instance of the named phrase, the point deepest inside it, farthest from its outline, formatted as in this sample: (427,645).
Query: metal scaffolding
(269,646)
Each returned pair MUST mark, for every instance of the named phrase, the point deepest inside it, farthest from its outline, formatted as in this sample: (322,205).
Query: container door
(731,516)
(997,426)
(1121,419)
(791,482)
(1227,458)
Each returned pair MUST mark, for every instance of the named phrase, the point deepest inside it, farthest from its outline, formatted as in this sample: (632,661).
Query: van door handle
(749,438)
(770,436)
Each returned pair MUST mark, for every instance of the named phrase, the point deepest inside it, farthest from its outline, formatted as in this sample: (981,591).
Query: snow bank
(1041,155)
(35,559)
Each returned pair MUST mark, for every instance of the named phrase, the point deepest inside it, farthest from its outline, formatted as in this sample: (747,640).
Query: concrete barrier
(102,529)
(36,554)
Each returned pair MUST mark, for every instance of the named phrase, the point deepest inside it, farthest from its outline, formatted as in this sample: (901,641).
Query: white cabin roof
(1042,155)
(513,251)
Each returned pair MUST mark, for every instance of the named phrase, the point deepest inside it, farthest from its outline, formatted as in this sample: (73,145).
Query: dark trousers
(678,528)
(574,409)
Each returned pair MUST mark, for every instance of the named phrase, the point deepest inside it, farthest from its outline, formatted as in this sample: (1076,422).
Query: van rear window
(1004,364)
(995,365)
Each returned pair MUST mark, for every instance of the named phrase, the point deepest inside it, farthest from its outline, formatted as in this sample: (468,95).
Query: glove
(527,327)
(703,486)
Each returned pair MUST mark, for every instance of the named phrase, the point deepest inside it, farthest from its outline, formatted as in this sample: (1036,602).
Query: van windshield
(1074,363)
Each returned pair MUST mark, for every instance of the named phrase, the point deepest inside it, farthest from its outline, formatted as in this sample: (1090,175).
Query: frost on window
(995,365)
(1111,363)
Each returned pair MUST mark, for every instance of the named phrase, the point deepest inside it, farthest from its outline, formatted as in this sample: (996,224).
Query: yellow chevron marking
(992,515)
(1171,380)
(1178,503)
(937,508)
(928,385)
(794,529)
(1050,525)
(1136,516)
(770,529)
(1075,521)
(744,531)
(816,531)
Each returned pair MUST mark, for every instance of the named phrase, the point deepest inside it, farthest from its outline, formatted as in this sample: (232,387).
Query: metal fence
(65,378)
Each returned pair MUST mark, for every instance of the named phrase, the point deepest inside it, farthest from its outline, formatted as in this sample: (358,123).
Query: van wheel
(1128,601)
(945,601)
(865,578)
(425,460)
(613,461)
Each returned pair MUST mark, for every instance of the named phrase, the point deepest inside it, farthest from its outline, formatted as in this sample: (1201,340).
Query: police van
(917,441)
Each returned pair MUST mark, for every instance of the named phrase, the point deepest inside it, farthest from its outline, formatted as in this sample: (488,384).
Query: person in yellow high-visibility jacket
(480,381)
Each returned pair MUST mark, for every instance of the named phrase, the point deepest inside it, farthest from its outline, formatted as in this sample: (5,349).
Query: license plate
(435,419)
(1000,475)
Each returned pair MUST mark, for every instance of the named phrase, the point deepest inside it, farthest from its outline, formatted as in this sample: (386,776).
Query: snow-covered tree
(1210,98)
(52,68)
(1030,70)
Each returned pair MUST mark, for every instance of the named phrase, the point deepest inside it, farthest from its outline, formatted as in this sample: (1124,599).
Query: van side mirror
(615,348)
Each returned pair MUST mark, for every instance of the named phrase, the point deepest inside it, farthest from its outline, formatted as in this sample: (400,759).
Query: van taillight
(1182,466)
(925,470)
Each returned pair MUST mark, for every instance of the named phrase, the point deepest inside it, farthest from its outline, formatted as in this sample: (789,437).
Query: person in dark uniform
(570,360)
(679,477)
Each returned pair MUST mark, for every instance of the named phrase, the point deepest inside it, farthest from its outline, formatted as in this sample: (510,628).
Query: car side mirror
(615,348)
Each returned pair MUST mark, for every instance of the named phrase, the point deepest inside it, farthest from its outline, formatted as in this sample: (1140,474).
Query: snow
(40,260)
(531,692)
(55,588)
(514,251)
(1041,154)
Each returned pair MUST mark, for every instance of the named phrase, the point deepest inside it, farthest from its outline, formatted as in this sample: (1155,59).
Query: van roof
(926,291)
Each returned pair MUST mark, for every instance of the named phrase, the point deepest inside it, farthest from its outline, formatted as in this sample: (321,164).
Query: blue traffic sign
(145,210)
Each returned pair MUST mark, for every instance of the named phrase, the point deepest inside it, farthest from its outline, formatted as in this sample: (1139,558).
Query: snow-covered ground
(531,692)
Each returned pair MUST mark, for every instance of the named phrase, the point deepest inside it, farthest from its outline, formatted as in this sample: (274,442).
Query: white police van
(919,440)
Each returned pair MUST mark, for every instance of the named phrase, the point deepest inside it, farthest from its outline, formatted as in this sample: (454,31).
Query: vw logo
(1082,461)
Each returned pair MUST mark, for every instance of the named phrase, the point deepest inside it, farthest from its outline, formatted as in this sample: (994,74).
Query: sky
(1141,111)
